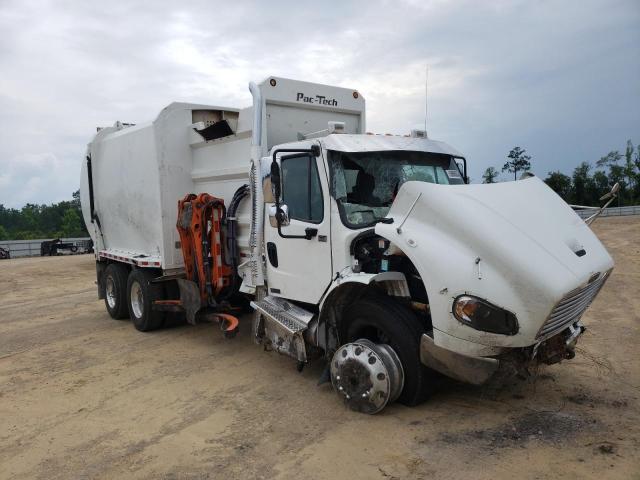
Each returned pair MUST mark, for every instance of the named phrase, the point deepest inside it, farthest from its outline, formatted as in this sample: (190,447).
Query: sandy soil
(85,396)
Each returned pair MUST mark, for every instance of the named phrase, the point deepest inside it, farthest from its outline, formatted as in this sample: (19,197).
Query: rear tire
(383,320)
(141,294)
(115,299)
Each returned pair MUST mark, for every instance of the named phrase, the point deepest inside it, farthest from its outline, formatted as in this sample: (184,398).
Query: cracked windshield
(366,183)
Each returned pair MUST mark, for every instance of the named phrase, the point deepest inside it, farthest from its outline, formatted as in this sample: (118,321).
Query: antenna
(426,98)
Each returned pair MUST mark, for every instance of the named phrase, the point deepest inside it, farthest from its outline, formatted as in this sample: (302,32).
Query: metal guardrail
(31,248)
(612,211)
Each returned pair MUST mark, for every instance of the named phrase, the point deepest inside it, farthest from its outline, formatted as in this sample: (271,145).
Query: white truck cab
(370,251)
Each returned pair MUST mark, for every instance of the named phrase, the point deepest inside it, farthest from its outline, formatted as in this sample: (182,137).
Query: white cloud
(557,78)
(37,175)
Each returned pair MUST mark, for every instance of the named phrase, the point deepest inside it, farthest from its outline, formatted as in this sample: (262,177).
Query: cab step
(292,318)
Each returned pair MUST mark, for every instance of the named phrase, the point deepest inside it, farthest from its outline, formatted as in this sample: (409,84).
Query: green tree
(76,199)
(601,183)
(616,172)
(71,224)
(611,158)
(518,162)
(581,188)
(3,233)
(559,183)
(630,172)
(490,175)
(636,162)
(43,221)
(28,220)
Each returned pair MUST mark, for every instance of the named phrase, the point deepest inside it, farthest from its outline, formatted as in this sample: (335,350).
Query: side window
(301,189)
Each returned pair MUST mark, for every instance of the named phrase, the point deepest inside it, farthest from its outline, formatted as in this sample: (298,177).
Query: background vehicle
(370,251)
(53,247)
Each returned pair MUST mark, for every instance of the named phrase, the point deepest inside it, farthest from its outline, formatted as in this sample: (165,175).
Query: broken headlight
(484,316)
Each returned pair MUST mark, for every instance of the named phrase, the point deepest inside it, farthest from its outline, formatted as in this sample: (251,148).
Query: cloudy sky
(560,79)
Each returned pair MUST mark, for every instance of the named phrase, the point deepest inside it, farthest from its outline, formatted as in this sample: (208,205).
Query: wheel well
(329,321)
(332,321)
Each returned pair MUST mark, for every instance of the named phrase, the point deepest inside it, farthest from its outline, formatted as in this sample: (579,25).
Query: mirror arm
(611,196)
(466,178)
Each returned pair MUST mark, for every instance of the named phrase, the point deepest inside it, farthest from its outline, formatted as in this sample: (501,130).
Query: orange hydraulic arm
(199,224)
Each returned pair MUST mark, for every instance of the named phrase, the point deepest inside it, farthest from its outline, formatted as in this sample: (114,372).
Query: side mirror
(463,162)
(278,214)
(275,180)
(612,193)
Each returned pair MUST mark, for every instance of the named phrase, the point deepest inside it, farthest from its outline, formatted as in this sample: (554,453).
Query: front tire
(141,294)
(115,285)
(385,321)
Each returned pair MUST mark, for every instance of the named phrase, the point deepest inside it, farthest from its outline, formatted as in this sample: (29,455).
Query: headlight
(482,315)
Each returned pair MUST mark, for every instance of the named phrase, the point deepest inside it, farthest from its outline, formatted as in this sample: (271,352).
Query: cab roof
(369,143)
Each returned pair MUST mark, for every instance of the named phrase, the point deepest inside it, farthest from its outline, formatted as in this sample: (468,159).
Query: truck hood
(516,244)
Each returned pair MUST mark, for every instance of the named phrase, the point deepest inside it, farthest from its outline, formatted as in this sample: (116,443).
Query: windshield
(365,183)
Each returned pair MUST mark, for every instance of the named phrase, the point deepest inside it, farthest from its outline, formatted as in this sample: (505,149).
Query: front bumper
(478,370)
(474,370)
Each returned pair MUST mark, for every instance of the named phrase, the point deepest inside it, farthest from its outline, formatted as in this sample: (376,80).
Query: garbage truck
(371,252)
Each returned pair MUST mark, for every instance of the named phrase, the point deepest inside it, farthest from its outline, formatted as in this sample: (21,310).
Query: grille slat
(579,292)
(571,307)
(570,312)
(576,298)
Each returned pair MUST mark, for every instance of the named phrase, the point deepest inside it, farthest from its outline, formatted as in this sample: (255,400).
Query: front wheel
(367,375)
(141,294)
(384,321)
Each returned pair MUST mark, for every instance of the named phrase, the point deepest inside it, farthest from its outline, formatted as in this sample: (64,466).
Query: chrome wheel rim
(137,300)
(367,375)
(110,291)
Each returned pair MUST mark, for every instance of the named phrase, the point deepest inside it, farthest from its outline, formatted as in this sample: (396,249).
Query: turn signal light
(482,315)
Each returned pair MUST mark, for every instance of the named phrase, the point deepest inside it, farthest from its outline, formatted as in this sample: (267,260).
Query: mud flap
(100,268)
(190,298)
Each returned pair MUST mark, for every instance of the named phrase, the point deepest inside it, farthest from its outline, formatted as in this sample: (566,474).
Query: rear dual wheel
(115,289)
(141,293)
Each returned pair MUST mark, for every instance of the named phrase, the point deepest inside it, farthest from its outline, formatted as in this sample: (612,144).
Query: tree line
(587,183)
(584,186)
(58,220)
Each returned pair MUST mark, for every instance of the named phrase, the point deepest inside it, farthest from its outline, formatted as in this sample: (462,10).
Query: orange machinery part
(200,218)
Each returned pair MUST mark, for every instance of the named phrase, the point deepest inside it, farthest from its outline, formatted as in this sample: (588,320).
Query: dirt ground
(85,396)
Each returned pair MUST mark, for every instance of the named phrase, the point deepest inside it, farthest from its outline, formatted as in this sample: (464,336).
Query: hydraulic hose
(231,243)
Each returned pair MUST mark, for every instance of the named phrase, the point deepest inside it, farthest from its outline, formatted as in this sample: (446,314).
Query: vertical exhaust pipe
(257,196)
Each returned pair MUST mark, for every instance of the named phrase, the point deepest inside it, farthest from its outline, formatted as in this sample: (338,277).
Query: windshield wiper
(387,220)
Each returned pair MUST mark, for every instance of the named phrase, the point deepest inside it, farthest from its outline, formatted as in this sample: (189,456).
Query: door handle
(309,233)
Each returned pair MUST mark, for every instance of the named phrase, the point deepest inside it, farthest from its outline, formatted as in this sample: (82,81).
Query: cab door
(300,268)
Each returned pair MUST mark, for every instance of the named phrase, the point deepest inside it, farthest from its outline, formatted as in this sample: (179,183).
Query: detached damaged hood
(516,244)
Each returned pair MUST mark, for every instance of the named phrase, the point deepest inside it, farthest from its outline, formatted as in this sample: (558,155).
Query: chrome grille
(571,307)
